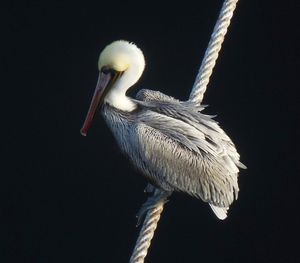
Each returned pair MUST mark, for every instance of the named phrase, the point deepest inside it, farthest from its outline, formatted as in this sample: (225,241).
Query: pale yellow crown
(120,55)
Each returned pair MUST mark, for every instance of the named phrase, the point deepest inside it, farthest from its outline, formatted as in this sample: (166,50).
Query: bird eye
(107,70)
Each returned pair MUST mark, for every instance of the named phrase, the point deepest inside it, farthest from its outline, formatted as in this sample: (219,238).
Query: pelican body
(171,142)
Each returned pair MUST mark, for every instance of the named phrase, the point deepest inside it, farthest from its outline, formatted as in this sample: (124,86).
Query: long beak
(97,100)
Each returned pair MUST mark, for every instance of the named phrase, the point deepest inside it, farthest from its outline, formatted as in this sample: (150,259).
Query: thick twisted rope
(146,234)
(212,51)
(153,215)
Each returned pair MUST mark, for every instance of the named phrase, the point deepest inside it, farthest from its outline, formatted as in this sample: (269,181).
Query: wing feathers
(197,155)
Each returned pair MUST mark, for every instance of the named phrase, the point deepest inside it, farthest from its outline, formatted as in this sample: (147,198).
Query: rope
(146,234)
(214,46)
(212,51)
(154,207)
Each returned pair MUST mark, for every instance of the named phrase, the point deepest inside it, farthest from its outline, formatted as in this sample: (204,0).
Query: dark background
(73,199)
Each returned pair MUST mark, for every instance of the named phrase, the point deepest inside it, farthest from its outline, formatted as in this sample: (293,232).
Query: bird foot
(159,197)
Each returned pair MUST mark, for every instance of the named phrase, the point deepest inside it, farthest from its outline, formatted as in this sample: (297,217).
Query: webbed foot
(159,196)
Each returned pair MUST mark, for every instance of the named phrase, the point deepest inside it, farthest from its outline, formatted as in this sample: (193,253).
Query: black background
(73,199)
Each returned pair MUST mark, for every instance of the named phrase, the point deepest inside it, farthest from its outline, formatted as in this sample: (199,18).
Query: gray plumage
(178,148)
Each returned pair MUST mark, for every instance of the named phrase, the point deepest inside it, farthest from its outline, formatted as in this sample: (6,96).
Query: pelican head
(121,64)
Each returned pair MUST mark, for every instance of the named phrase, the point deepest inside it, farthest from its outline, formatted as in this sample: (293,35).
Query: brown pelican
(173,144)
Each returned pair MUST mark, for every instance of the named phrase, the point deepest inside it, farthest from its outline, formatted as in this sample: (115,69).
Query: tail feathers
(221,212)
(241,165)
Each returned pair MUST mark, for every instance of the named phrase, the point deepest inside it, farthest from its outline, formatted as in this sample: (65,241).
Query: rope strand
(212,51)
(146,234)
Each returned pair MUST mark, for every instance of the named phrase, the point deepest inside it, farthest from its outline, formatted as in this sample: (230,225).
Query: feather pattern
(178,148)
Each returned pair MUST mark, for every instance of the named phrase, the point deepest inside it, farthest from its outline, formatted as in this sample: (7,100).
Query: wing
(211,135)
(185,150)
(175,156)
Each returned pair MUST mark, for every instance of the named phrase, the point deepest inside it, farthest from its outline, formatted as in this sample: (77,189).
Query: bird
(175,146)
